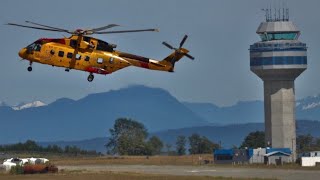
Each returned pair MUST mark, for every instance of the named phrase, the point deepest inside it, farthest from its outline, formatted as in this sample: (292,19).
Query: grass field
(175,161)
(128,160)
(80,175)
(191,160)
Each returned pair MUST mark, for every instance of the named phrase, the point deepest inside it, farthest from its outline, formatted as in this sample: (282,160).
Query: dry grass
(132,160)
(188,160)
(83,175)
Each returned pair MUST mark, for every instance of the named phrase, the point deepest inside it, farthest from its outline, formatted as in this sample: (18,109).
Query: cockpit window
(36,46)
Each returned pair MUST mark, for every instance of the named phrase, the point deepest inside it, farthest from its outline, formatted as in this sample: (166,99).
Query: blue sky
(220,32)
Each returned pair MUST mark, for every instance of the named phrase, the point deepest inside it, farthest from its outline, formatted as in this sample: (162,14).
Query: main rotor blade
(51,27)
(126,31)
(183,40)
(168,45)
(189,56)
(104,27)
(32,27)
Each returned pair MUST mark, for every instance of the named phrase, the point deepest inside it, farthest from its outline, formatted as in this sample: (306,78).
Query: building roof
(224,152)
(285,150)
(277,153)
(277,27)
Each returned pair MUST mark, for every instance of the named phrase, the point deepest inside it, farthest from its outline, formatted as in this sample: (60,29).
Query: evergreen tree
(254,140)
(181,145)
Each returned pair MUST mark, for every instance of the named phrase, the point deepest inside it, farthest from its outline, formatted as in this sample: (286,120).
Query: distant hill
(242,112)
(92,116)
(251,111)
(228,135)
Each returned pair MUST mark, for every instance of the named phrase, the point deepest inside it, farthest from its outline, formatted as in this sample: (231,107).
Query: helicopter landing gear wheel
(30,66)
(90,77)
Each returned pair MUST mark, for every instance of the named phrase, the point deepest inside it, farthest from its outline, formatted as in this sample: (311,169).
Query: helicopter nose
(22,53)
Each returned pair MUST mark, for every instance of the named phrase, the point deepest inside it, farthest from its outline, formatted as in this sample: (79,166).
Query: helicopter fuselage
(91,55)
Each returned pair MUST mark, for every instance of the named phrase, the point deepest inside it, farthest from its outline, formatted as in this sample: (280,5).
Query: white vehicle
(9,163)
(38,160)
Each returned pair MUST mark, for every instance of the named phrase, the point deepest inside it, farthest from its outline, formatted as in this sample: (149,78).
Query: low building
(276,156)
(223,156)
(311,154)
(309,159)
(257,155)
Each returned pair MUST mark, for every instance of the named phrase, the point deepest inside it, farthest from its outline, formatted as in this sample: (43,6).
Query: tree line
(304,143)
(32,146)
(129,137)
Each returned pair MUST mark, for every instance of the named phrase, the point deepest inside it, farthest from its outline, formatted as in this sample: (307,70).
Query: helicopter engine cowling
(85,45)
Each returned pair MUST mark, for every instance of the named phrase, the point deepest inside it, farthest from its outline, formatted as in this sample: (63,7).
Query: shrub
(40,168)
(16,170)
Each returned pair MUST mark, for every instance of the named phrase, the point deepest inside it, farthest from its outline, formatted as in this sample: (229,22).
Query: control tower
(278,59)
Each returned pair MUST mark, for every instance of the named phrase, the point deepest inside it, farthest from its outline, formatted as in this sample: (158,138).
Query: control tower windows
(278,36)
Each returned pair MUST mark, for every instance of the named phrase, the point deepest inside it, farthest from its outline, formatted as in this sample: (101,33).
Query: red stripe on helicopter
(97,70)
(46,40)
(144,65)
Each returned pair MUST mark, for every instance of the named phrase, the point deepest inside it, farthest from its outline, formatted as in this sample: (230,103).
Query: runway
(203,171)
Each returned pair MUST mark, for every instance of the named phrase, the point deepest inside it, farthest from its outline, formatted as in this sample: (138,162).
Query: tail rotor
(180,49)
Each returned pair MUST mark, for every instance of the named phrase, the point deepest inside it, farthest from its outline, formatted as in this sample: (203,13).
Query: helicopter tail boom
(174,57)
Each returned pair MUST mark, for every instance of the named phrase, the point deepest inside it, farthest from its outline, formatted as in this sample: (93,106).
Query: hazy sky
(220,32)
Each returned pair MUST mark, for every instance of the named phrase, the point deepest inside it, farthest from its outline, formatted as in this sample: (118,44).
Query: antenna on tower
(283,14)
(275,14)
(266,14)
(287,12)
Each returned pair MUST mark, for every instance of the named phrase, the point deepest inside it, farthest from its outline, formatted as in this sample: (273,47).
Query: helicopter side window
(61,54)
(73,43)
(99,60)
(111,60)
(78,56)
(69,55)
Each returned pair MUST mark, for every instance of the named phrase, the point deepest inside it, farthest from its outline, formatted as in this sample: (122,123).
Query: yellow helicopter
(92,55)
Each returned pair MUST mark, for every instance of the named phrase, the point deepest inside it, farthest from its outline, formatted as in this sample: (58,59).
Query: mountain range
(28,105)
(93,116)
(227,136)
